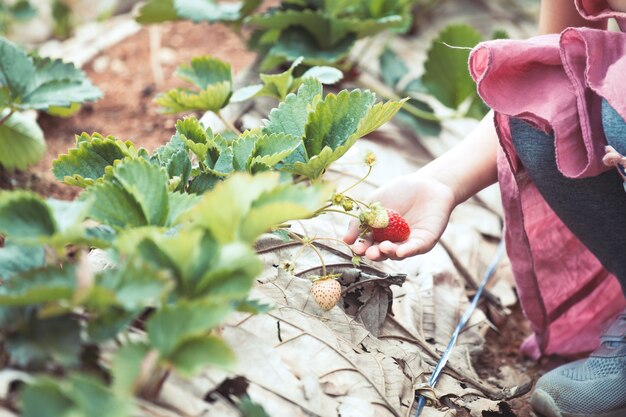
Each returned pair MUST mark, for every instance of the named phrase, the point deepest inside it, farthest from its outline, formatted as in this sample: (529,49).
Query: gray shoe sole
(544,406)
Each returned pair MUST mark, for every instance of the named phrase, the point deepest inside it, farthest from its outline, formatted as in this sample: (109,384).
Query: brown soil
(127,110)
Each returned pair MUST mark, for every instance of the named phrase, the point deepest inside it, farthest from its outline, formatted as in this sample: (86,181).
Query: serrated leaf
(208,10)
(205,71)
(192,129)
(243,147)
(114,206)
(203,183)
(24,215)
(283,203)
(392,68)
(147,184)
(279,85)
(194,354)
(335,119)
(88,162)
(56,339)
(269,150)
(21,141)
(135,285)
(213,98)
(291,115)
(446,74)
(172,325)
(17,70)
(222,210)
(231,274)
(324,74)
(179,204)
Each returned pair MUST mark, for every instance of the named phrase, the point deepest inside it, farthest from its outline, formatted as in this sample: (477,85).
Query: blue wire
(421,402)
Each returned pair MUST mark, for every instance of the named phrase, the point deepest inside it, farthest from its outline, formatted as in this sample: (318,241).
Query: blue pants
(594,208)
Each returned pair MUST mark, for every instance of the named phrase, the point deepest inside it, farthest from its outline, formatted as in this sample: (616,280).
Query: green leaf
(17,70)
(199,352)
(56,338)
(136,285)
(269,150)
(24,215)
(179,204)
(60,111)
(39,286)
(108,323)
(279,85)
(157,11)
(58,84)
(203,183)
(21,141)
(126,367)
(16,258)
(192,129)
(114,206)
(213,98)
(392,68)
(77,396)
(290,116)
(231,275)
(89,161)
(214,79)
(172,325)
(285,202)
(44,398)
(205,71)
(446,74)
(137,197)
(249,408)
(335,119)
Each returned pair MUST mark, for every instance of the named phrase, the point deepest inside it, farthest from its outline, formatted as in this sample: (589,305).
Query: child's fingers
(373,253)
(352,233)
(362,245)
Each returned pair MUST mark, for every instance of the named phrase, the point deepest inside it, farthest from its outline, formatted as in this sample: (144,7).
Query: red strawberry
(326,292)
(397,229)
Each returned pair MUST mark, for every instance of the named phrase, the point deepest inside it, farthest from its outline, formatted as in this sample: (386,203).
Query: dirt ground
(127,111)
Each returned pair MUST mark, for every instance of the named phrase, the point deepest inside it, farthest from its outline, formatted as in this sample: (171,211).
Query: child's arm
(427,197)
(556,15)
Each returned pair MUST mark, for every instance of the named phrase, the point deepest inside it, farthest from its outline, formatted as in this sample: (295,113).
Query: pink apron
(556,82)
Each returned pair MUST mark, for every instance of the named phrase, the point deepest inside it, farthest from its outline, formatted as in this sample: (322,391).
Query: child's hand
(426,205)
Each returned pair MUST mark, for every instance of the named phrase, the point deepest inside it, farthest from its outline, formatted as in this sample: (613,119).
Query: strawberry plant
(33,83)
(177,228)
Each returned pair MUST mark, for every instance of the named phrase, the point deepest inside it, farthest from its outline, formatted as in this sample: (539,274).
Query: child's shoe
(594,387)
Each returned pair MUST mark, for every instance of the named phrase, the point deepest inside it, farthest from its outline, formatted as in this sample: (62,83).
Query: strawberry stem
(308,243)
(369,171)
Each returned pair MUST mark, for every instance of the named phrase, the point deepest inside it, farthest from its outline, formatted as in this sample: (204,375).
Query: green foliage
(445,71)
(212,77)
(21,141)
(28,82)
(178,227)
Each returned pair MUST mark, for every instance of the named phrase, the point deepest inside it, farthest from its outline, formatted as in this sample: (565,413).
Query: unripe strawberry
(397,229)
(326,292)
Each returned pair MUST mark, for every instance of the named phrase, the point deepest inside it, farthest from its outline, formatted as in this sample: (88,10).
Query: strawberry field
(177,177)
